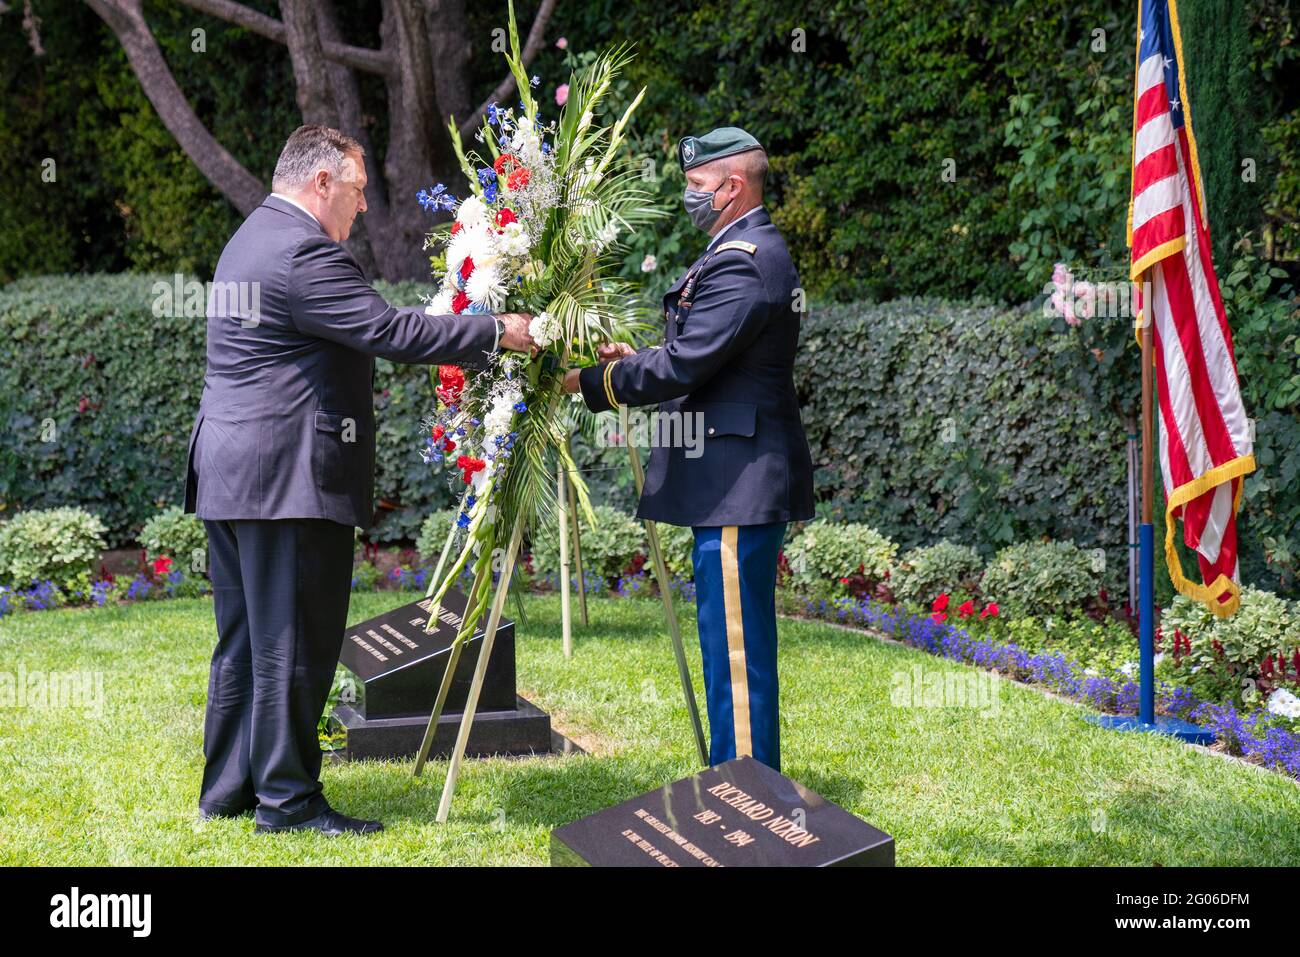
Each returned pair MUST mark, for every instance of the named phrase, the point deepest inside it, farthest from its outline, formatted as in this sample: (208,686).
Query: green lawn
(1031,784)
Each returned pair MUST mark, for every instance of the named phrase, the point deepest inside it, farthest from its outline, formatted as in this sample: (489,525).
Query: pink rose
(561,44)
(562,94)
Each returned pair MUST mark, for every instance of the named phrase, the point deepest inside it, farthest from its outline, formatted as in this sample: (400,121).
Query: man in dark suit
(281,469)
(731,331)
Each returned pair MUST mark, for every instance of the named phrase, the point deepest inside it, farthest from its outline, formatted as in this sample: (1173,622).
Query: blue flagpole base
(1163,724)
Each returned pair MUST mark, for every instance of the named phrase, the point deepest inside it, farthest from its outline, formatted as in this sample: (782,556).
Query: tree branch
(531,48)
(359,58)
(237,184)
(303,37)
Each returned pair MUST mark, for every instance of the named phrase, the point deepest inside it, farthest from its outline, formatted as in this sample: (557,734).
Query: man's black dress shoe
(330,823)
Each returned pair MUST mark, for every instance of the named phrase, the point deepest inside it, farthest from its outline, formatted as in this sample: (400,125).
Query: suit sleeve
(727,315)
(329,298)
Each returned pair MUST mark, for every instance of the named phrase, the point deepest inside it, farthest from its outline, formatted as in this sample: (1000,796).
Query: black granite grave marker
(738,814)
(400,667)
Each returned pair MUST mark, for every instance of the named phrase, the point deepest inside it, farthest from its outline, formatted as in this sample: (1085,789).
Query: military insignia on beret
(688,150)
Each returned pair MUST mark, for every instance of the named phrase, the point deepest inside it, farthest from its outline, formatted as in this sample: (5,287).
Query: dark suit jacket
(286,425)
(728,355)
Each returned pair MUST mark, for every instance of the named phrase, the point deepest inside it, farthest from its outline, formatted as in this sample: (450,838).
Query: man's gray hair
(308,149)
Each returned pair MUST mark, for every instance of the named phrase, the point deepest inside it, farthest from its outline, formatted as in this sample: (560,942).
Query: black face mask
(699,207)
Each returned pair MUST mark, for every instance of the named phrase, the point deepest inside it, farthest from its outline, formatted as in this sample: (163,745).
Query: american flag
(1205,438)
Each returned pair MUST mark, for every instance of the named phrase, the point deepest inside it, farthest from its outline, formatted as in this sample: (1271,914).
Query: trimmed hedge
(98,396)
(929,420)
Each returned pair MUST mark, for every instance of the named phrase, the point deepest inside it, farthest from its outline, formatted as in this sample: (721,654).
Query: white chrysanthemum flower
(441,304)
(544,329)
(485,287)
(472,212)
(513,240)
(477,242)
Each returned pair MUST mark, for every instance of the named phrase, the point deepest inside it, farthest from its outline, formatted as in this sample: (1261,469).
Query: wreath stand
(567,504)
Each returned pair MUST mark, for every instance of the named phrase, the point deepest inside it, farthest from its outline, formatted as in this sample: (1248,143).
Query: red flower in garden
(1266,669)
(940,603)
(456,227)
(966,609)
(459,302)
(518,179)
(506,216)
(162,565)
(451,379)
(990,610)
(844,581)
(940,616)
(466,268)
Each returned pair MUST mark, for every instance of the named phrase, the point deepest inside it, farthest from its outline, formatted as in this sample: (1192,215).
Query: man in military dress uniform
(731,330)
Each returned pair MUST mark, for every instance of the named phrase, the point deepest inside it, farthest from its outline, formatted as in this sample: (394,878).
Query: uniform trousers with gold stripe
(735,593)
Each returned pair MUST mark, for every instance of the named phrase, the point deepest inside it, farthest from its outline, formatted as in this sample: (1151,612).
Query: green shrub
(607,549)
(179,536)
(1041,578)
(61,545)
(433,533)
(1264,625)
(835,550)
(365,576)
(925,572)
(678,543)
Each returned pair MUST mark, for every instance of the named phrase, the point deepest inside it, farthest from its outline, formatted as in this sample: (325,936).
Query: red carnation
(468,466)
(451,379)
(966,609)
(456,227)
(502,161)
(459,302)
(466,268)
(940,603)
(518,179)
(506,216)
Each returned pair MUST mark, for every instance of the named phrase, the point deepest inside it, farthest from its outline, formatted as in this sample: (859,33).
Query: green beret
(724,141)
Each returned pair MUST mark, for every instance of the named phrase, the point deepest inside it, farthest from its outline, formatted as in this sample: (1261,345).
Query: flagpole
(1146,537)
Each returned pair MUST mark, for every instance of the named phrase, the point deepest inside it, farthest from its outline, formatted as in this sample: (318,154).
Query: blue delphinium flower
(490,192)
(486,175)
(520,407)
(462,520)
(435,199)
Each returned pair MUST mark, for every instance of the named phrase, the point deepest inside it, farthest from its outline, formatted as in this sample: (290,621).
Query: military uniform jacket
(731,331)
